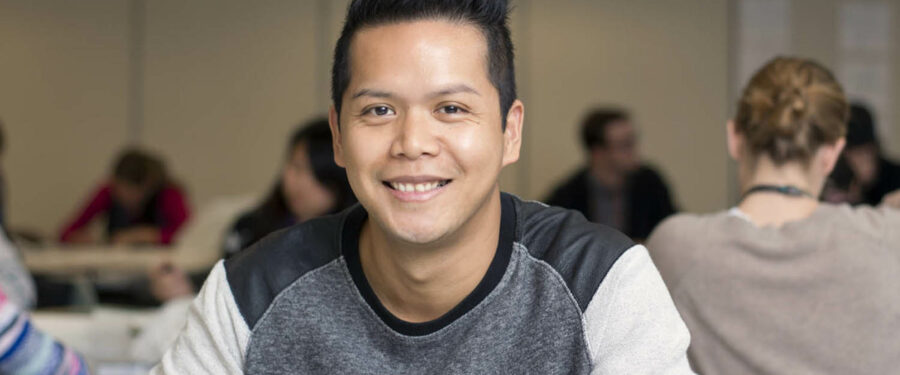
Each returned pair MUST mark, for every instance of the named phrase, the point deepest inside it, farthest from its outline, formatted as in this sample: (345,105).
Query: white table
(109,260)
(104,336)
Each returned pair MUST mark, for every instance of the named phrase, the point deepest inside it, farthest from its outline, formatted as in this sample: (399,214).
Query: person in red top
(140,204)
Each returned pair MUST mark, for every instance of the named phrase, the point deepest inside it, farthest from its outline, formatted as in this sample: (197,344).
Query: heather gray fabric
(815,296)
(530,320)
(561,296)
(528,324)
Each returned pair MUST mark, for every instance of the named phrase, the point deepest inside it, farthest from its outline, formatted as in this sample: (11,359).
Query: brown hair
(593,127)
(140,168)
(790,108)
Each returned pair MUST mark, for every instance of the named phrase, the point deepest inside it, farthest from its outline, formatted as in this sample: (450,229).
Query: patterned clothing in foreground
(26,350)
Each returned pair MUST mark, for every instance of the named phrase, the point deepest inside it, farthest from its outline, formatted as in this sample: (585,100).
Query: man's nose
(415,137)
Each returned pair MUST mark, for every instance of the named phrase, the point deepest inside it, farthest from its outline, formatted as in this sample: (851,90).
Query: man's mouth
(416,187)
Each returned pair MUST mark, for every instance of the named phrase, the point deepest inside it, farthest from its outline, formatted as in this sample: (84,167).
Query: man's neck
(419,283)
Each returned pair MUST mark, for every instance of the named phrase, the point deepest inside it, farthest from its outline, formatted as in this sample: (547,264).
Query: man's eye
(381,111)
(452,109)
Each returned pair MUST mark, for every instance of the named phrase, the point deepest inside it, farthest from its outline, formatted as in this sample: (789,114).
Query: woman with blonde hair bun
(783,283)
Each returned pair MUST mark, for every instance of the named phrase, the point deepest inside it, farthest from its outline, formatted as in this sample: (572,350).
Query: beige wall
(815,34)
(666,61)
(225,81)
(63,97)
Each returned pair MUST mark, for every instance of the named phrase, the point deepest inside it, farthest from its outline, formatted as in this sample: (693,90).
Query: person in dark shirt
(615,188)
(140,203)
(310,185)
(863,175)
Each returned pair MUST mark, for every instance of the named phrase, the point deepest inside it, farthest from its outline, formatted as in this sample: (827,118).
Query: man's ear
(512,135)
(735,141)
(335,126)
(829,155)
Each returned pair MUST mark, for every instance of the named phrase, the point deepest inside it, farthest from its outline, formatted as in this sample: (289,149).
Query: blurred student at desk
(863,175)
(140,203)
(310,185)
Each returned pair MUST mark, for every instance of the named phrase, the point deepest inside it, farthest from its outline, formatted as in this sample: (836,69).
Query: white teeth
(419,188)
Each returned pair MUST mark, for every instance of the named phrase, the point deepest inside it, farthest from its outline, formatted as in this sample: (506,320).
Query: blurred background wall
(215,86)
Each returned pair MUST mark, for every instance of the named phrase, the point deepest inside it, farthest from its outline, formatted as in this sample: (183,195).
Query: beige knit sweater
(815,296)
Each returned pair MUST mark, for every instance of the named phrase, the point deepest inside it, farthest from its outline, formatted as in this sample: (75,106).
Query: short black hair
(593,127)
(490,16)
(860,127)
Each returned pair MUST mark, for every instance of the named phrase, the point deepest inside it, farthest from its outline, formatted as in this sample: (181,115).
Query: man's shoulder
(580,251)
(259,273)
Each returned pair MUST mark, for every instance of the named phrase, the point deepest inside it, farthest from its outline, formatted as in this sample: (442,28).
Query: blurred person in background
(782,283)
(139,202)
(615,188)
(309,185)
(863,175)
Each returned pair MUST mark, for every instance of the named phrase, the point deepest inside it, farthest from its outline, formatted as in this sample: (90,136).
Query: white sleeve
(214,339)
(14,277)
(632,325)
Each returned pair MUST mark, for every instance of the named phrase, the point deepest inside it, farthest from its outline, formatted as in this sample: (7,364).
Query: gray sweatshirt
(561,296)
(815,296)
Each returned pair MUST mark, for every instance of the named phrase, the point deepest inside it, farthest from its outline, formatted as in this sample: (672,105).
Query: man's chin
(422,237)
(421,232)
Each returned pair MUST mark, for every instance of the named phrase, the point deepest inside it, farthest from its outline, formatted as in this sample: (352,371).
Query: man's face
(420,128)
(620,151)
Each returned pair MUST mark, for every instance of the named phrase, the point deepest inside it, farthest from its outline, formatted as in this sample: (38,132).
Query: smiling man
(436,271)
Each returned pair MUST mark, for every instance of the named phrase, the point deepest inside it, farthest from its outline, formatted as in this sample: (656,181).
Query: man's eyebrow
(372,93)
(455,89)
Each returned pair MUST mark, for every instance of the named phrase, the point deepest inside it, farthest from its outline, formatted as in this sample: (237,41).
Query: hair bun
(788,113)
(791,107)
